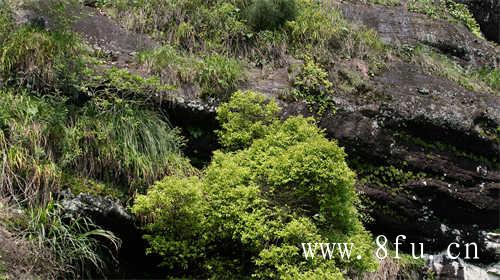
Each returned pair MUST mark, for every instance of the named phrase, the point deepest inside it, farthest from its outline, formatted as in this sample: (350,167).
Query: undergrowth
(75,242)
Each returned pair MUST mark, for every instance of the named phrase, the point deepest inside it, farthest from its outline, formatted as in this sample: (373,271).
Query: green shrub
(255,206)
(270,14)
(312,84)
(175,208)
(245,118)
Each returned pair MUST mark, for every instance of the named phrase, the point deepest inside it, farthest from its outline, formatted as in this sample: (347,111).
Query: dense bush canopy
(252,207)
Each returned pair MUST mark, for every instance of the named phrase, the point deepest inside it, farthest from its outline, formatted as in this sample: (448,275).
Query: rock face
(112,216)
(487,15)
(398,26)
(444,268)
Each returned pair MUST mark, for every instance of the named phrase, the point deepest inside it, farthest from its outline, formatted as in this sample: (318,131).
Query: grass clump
(220,76)
(72,241)
(29,130)
(320,30)
(121,143)
(40,60)
(287,185)
(215,75)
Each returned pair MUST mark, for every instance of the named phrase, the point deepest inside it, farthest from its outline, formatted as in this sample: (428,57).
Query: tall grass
(122,143)
(29,129)
(41,60)
(75,242)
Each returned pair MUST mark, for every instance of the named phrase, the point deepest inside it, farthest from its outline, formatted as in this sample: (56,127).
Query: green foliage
(6,21)
(41,60)
(216,75)
(321,31)
(447,9)
(249,213)
(388,177)
(490,76)
(461,13)
(72,240)
(244,118)
(263,30)
(219,75)
(119,142)
(124,84)
(270,14)
(483,80)
(29,130)
(171,65)
(176,208)
(312,85)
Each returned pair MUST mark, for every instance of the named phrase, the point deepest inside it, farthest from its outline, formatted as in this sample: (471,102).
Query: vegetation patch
(442,9)
(479,80)
(38,59)
(118,142)
(288,185)
(312,84)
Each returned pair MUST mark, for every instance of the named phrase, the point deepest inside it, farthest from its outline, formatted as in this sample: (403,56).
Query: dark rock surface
(487,15)
(111,215)
(398,26)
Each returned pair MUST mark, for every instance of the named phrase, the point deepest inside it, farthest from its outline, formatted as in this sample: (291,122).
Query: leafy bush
(245,118)
(270,14)
(312,84)
(255,206)
(179,214)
